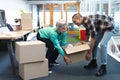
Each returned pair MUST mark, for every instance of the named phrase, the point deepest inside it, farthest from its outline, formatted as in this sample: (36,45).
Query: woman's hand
(67,60)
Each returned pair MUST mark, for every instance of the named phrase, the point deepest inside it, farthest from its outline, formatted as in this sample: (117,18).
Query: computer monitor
(2,18)
(3,25)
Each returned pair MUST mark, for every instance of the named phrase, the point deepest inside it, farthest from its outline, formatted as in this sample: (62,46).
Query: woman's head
(61,26)
(77,19)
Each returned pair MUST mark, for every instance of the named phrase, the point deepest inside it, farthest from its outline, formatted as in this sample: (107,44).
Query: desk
(9,37)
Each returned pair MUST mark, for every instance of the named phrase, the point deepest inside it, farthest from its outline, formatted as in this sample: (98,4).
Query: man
(55,38)
(100,29)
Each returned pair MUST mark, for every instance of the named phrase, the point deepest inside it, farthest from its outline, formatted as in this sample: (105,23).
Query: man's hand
(67,60)
(88,56)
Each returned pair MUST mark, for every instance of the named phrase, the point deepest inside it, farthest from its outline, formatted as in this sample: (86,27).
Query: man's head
(77,19)
(61,26)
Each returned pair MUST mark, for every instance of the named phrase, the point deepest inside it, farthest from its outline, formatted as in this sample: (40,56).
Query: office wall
(12,9)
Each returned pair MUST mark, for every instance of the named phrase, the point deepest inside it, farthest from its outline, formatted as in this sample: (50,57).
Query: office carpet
(64,72)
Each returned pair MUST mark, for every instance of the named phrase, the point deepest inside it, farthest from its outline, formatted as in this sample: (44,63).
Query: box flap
(77,48)
(29,43)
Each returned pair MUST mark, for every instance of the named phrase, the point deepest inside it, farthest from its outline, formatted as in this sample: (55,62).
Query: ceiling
(50,1)
(64,1)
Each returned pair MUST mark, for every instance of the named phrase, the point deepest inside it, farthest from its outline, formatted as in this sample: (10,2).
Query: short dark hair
(76,14)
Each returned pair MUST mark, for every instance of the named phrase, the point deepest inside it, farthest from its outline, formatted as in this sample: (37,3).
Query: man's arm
(91,45)
(89,54)
(92,41)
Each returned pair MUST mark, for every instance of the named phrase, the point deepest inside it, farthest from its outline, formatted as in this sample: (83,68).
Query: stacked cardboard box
(33,70)
(26,21)
(31,58)
(77,51)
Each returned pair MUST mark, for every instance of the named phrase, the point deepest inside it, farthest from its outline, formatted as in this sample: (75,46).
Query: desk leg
(11,54)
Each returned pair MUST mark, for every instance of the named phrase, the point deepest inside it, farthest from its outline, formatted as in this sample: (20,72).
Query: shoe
(54,64)
(102,71)
(92,64)
(49,71)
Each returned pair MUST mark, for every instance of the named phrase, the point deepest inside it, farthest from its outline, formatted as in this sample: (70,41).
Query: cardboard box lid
(77,47)
(29,42)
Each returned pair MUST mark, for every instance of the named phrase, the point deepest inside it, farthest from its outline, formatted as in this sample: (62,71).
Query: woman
(55,38)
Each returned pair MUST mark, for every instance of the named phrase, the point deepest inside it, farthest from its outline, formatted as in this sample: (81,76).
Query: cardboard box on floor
(77,52)
(30,51)
(33,70)
(26,21)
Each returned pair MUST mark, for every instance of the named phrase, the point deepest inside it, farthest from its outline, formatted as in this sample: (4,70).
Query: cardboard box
(33,70)
(30,51)
(77,51)
(26,21)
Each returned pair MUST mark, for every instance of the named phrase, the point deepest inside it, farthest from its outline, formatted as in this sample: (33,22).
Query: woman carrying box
(55,38)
